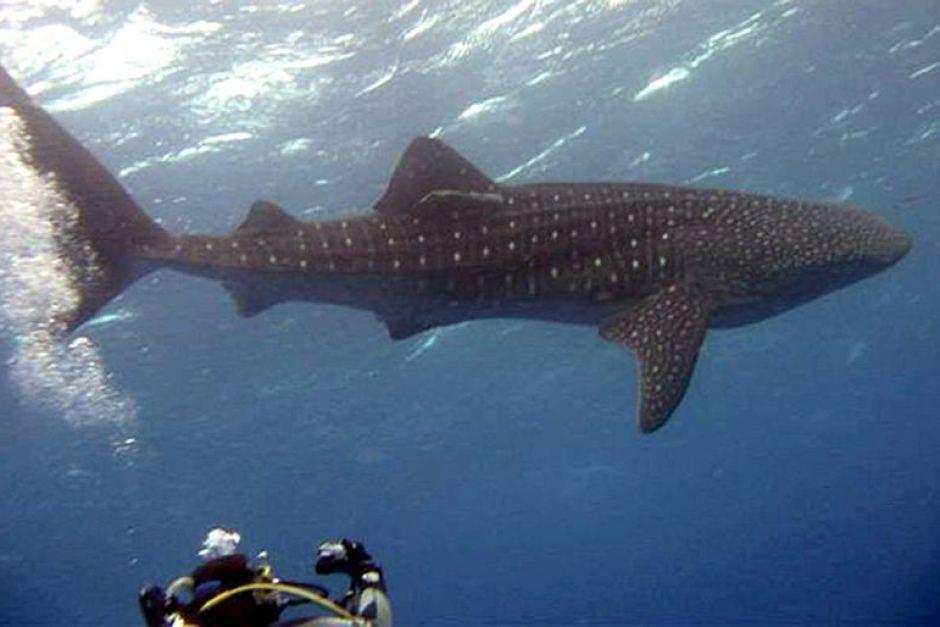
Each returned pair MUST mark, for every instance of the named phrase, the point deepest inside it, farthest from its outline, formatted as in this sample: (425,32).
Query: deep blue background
(496,470)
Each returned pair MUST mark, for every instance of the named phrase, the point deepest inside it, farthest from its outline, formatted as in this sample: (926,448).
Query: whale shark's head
(849,244)
(877,243)
(809,252)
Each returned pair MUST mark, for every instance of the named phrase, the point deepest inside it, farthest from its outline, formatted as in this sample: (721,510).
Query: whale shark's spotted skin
(652,265)
(611,247)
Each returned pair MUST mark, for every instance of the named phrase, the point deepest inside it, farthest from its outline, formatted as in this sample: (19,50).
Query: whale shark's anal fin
(428,165)
(666,331)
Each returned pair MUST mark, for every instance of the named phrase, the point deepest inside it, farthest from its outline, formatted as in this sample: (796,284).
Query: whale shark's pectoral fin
(665,331)
(426,166)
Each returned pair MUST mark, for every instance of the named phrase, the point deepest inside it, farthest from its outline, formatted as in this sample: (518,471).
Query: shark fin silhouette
(266,216)
(429,165)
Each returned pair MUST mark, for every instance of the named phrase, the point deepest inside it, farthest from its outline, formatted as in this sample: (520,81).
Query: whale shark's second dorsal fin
(430,165)
(266,216)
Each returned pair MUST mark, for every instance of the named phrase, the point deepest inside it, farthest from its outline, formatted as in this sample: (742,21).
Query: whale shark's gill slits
(665,331)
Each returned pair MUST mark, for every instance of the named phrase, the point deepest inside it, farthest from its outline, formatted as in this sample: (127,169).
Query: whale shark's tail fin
(66,207)
(11,94)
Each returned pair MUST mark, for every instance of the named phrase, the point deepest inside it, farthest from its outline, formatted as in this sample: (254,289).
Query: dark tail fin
(11,94)
(95,227)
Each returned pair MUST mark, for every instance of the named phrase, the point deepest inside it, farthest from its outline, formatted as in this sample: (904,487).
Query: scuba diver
(226,590)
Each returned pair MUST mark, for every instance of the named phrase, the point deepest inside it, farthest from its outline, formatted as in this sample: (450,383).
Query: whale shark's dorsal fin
(428,165)
(266,216)
(665,330)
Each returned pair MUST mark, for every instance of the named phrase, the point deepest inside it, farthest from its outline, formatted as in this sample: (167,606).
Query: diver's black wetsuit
(242,610)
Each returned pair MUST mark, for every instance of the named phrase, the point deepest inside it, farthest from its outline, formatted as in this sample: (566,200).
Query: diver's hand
(343,556)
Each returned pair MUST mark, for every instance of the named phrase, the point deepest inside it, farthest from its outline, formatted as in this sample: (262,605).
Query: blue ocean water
(494,468)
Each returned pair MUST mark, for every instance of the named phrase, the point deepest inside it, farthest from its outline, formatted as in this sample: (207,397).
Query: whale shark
(652,266)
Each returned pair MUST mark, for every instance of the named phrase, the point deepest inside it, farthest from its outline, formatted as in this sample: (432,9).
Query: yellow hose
(279,587)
